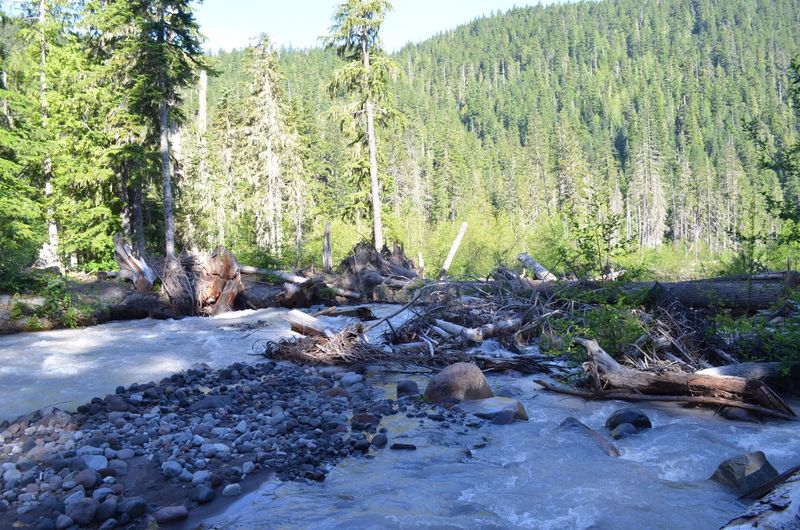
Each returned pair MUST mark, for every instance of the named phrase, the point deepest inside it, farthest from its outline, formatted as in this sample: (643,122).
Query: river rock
(202,494)
(501,408)
(63,522)
(350,378)
(379,440)
(87,478)
(744,473)
(631,415)
(115,403)
(170,514)
(572,424)
(623,430)
(459,381)
(96,462)
(171,469)
(82,512)
(211,402)
(231,490)
(407,388)
(133,507)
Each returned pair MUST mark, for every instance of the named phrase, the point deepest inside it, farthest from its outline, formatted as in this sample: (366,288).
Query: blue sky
(233,23)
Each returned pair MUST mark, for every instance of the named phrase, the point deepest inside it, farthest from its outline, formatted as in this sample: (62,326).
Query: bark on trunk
(377,223)
(169,227)
(327,257)
(538,270)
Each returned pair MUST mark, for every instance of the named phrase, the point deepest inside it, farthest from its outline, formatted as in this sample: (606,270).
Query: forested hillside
(584,133)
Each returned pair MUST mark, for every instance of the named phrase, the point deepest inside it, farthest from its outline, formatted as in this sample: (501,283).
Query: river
(525,475)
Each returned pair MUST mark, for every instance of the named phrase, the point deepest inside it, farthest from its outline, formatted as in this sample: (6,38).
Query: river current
(525,475)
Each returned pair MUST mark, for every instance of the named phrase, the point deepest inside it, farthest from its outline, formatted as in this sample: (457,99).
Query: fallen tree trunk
(307,325)
(217,281)
(536,268)
(610,377)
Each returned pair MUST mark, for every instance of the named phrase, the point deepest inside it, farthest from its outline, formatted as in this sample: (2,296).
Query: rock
(623,430)
(96,462)
(361,445)
(506,410)
(63,522)
(362,422)
(108,525)
(241,427)
(202,494)
(745,473)
(87,478)
(211,402)
(404,447)
(45,524)
(337,391)
(459,381)
(106,510)
(115,403)
(82,512)
(631,415)
(169,514)
(737,414)
(133,507)
(12,474)
(201,477)
(407,388)
(125,454)
(350,378)
(231,490)
(574,425)
(171,469)
(379,440)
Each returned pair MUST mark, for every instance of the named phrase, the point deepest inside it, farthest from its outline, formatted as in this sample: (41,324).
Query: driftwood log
(611,380)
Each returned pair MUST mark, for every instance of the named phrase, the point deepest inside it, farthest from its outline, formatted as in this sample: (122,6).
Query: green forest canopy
(579,132)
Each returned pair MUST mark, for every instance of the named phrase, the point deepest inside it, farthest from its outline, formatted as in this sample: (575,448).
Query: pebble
(171,469)
(169,514)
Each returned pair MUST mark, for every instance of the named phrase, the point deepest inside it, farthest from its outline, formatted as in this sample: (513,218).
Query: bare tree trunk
(8,120)
(327,257)
(169,222)
(48,255)
(377,223)
(453,249)
(138,219)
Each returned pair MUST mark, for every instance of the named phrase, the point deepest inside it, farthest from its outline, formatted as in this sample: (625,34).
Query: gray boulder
(459,381)
(407,388)
(745,473)
(631,415)
(82,512)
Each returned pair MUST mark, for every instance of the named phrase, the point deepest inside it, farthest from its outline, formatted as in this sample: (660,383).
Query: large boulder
(458,382)
(497,409)
(631,415)
(745,473)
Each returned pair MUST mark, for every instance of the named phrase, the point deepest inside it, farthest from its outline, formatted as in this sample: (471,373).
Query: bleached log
(141,273)
(327,256)
(305,324)
(538,270)
(500,326)
(473,335)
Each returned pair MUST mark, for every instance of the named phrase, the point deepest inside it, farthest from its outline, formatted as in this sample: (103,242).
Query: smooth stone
(506,409)
(82,512)
(96,462)
(108,525)
(350,378)
(169,514)
(171,469)
(231,490)
(63,522)
(241,427)
(125,454)
(87,478)
(745,473)
(211,402)
(202,494)
(407,388)
(106,510)
(459,381)
(379,440)
(623,430)
(133,507)
(201,477)
(631,415)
